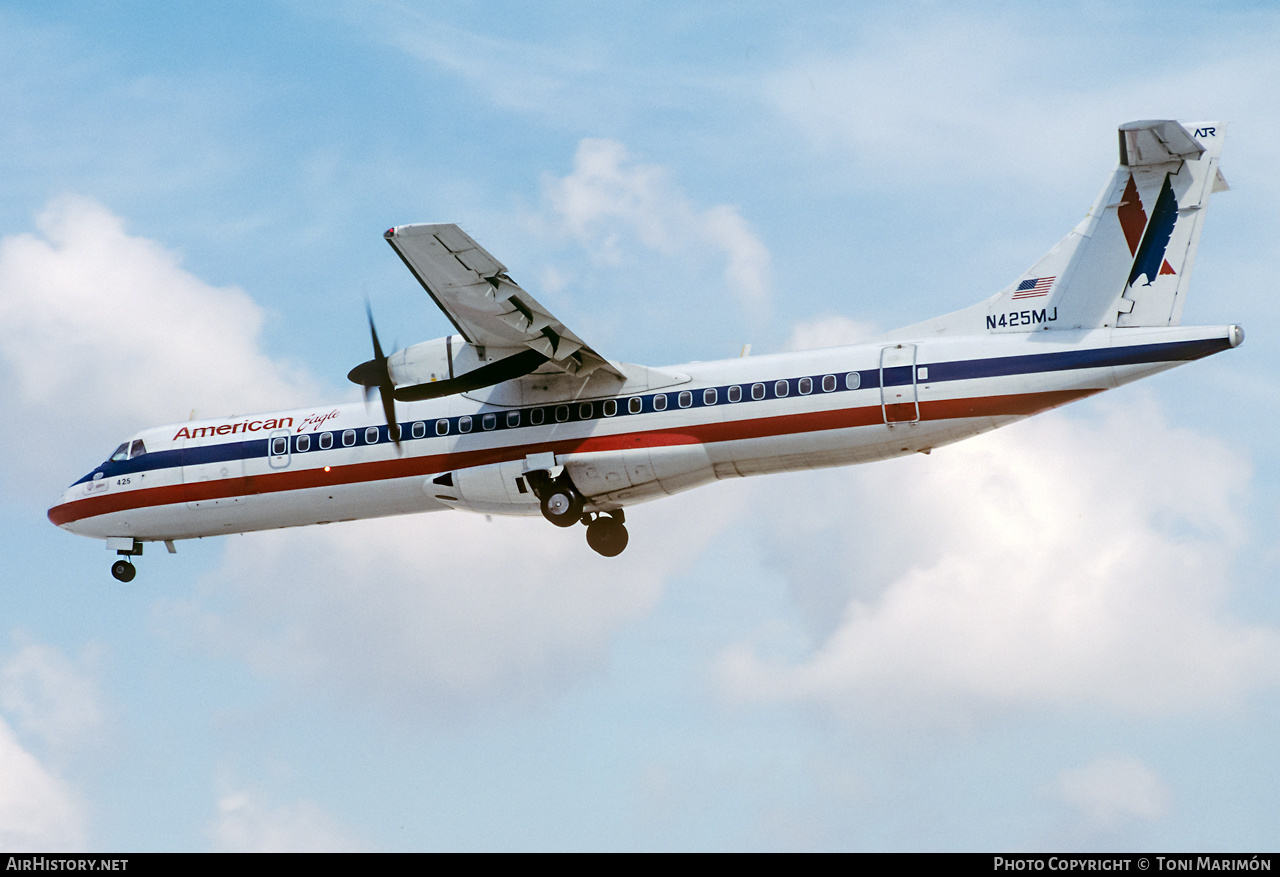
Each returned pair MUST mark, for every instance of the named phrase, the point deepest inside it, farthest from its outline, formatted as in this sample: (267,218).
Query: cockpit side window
(137,450)
(120,453)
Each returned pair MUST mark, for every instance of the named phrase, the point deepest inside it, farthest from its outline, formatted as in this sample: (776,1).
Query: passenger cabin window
(137,450)
(635,404)
(464,423)
(419,429)
(585,411)
(279,446)
(513,418)
(442,427)
(610,407)
(709,396)
(757,391)
(735,394)
(828,383)
(536,416)
(348,437)
(489,421)
(303,444)
(562,413)
(781,388)
(371,436)
(326,441)
(806,386)
(685,398)
(852,380)
(660,402)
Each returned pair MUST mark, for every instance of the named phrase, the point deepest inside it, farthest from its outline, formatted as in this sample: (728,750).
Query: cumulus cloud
(439,616)
(608,200)
(834,331)
(245,824)
(38,811)
(53,701)
(1058,563)
(103,333)
(50,696)
(1111,791)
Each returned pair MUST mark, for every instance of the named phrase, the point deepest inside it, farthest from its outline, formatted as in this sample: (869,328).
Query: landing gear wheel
(562,506)
(607,536)
(123,570)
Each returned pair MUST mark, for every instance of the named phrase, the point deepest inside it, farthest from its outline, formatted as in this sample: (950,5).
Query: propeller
(375,373)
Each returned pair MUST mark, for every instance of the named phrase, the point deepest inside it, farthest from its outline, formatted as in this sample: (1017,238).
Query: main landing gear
(562,505)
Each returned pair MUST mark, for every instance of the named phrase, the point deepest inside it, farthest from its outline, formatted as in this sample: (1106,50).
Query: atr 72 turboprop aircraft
(517,415)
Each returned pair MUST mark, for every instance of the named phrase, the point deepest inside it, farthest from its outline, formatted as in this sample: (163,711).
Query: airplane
(516,415)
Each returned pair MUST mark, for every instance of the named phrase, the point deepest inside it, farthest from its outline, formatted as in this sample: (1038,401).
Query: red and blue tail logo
(1148,240)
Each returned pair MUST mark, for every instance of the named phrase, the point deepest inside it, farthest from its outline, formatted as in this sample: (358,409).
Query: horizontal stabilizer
(1156,142)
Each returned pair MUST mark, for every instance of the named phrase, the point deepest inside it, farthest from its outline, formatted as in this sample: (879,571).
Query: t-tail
(1129,261)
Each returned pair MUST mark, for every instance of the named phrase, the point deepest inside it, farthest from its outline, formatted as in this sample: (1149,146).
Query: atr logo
(1206,132)
(1148,240)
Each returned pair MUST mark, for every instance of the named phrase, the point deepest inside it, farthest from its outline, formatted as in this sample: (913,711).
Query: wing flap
(487,306)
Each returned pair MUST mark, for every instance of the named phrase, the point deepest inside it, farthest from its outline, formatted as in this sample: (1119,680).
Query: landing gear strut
(560,501)
(562,505)
(122,569)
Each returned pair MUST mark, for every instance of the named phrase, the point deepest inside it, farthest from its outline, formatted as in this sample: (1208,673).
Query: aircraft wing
(486,306)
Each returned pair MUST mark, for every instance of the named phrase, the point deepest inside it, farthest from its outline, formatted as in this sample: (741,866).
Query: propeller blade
(376,373)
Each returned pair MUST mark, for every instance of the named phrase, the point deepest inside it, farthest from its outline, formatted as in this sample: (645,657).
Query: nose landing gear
(122,569)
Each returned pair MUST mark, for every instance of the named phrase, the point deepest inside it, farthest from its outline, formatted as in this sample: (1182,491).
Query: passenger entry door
(898,384)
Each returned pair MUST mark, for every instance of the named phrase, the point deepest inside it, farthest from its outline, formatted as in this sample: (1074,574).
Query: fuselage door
(898,384)
(213,473)
(278,449)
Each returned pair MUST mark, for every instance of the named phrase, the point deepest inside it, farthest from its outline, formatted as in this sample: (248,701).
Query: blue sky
(1063,635)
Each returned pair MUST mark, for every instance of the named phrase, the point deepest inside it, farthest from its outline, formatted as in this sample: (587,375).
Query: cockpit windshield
(128,451)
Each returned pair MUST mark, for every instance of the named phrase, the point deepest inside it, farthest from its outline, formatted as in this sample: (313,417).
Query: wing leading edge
(487,307)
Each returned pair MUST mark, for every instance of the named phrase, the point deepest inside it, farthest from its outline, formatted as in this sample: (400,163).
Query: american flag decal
(1034,287)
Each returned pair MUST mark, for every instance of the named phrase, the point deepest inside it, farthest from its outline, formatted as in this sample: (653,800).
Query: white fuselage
(711,420)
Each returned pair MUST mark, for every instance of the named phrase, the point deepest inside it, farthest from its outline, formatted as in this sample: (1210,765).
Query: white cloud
(54,701)
(608,200)
(38,811)
(103,333)
(835,331)
(1111,791)
(436,616)
(1057,563)
(245,824)
(50,696)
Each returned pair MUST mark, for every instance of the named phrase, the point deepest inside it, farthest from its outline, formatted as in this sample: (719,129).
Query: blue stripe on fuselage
(895,376)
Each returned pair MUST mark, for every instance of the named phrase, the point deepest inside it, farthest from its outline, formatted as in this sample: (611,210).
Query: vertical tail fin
(1128,263)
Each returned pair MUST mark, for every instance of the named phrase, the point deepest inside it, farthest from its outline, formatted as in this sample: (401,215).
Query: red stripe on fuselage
(1021,404)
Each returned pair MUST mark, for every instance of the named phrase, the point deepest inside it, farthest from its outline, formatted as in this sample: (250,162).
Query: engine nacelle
(499,489)
(442,359)
(607,480)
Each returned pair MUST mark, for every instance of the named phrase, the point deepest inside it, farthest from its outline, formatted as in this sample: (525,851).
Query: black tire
(123,570)
(607,536)
(562,506)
